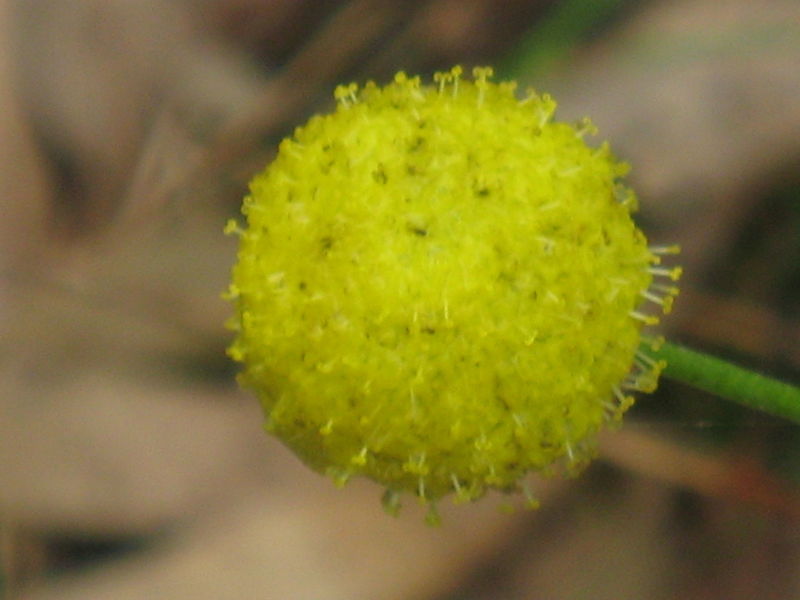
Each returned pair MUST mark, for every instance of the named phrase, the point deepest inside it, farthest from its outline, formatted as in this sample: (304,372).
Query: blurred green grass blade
(551,41)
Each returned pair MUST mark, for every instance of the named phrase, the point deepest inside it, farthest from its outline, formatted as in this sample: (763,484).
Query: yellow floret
(438,286)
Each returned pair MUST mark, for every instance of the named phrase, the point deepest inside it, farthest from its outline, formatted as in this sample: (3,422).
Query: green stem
(729,381)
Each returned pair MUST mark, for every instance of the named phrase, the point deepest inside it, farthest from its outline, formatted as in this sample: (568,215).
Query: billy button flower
(440,287)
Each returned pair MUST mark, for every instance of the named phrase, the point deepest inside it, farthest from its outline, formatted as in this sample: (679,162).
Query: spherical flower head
(438,288)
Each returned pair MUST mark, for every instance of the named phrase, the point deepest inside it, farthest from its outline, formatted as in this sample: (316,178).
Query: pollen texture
(438,287)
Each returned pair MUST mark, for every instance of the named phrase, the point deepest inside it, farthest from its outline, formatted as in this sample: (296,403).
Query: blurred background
(131,466)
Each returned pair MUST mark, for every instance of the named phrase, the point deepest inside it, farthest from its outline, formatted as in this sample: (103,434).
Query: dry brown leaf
(25,190)
(95,453)
(315,542)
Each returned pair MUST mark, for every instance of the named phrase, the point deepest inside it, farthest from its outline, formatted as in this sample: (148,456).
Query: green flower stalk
(441,288)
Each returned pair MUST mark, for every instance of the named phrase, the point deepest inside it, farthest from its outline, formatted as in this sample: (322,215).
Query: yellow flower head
(438,288)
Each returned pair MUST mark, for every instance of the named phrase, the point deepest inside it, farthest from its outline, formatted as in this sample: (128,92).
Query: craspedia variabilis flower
(439,287)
